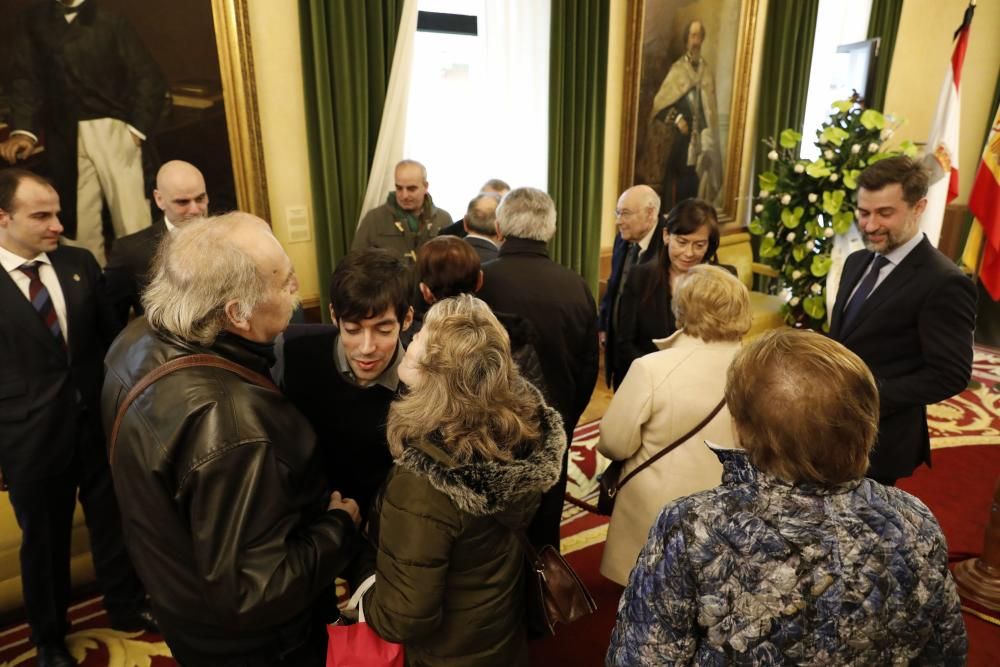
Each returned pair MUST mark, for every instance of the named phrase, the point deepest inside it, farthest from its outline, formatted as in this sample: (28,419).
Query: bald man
(637,241)
(180,193)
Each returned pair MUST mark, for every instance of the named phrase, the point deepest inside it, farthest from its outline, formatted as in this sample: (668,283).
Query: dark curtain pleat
(787,56)
(884,24)
(577,87)
(347,50)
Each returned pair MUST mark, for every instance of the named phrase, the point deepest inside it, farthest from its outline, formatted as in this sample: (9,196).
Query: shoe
(54,655)
(140,619)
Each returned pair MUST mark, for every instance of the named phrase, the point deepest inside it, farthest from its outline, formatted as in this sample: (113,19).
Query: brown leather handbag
(553,591)
(175,365)
(609,484)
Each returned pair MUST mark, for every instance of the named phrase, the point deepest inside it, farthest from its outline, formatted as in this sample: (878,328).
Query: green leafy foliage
(804,205)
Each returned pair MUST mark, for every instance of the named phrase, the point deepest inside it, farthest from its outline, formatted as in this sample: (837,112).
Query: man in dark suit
(480,225)
(523,281)
(638,240)
(180,193)
(56,327)
(907,311)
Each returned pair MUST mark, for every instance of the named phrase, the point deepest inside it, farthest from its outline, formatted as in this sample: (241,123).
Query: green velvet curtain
(347,50)
(577,86)
(883,22)
(787,57)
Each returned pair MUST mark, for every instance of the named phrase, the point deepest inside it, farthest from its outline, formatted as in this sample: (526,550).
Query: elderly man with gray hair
(526,282)
(480,226)
(225,509)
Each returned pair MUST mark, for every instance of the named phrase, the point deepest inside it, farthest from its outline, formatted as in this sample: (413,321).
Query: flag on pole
(984,202)
(941,157)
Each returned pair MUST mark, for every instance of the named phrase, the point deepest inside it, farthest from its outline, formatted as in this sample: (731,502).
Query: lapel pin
(76,277)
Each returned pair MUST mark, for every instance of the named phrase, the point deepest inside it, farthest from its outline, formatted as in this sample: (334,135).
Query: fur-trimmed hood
(493,487)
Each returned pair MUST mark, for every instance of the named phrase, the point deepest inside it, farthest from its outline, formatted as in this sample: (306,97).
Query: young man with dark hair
(343,377)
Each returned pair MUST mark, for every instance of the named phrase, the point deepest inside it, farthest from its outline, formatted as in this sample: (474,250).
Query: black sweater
(349,420)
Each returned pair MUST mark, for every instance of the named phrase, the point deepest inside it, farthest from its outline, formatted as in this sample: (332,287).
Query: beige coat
(665,394)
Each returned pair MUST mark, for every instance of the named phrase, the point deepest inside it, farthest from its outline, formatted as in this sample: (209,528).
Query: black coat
(94,67)
(915,333)
(43,385)
(486,250)
(557,302)
(645,313)
(607,324)
(129,263)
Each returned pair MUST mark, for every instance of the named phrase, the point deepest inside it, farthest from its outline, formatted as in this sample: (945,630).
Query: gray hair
(412,163)
(198,269)
(527,213)
(479,221)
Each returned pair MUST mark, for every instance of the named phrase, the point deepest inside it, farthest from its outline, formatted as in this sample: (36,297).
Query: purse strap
(187,361)
(669,448)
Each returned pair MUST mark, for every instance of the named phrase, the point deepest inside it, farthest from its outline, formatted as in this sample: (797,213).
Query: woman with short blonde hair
(475,448)
(665,395)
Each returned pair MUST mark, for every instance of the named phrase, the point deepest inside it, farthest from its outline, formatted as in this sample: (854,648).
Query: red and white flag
(984,202)
(942,146)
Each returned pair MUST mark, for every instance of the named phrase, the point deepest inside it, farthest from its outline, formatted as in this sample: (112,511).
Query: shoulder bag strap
(177,364)
(669,448)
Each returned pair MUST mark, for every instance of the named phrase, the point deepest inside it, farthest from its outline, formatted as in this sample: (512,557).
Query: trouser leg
(544,527)
(89,225)
(123,592)
(118,164)
(44,512)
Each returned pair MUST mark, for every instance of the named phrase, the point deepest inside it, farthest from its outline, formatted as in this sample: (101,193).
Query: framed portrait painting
(687,78)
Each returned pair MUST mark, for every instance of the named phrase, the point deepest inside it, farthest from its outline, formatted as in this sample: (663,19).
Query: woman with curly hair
(475,446)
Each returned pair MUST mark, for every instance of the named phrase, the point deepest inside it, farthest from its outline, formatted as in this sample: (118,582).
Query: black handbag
(610,482)
(553,591)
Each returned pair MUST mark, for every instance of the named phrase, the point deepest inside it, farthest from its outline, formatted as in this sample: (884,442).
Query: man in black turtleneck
(343,377)
(225,507)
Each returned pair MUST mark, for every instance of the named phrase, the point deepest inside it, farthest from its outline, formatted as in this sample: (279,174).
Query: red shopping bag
(358,645)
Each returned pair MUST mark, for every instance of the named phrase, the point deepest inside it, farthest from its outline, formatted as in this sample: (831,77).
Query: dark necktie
(864,290)
(41,300)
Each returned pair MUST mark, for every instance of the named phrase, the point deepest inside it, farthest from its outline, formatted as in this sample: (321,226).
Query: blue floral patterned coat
(758,571)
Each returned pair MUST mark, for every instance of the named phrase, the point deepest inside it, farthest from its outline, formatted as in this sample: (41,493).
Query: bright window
(478,105)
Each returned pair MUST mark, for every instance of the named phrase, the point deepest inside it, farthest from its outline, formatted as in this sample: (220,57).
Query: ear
(4,218)
(235,322)
(158,198)
(333,315)
(425,292)
(919,207)
(408,320)
(465,225)
(499,235)
(479,281)
(666,236)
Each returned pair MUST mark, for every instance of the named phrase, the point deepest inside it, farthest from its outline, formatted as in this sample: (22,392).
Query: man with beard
(907,311)
(686,103)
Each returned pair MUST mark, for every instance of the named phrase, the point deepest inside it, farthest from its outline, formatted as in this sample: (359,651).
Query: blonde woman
(475,447)
(666,394)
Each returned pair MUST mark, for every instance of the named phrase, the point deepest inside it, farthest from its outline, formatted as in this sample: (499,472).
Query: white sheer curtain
(389,147)
(478,105)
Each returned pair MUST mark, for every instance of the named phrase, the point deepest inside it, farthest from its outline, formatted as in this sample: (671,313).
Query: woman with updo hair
(475,447)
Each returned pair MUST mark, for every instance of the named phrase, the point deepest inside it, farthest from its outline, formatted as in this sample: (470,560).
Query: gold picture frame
(655,42)
(239,91)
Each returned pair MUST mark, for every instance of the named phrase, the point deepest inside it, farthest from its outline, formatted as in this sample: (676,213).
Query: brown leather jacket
(223,500)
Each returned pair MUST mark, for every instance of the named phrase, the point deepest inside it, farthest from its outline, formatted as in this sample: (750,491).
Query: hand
(345,504)
(18,147)
(682,125)
(602,338)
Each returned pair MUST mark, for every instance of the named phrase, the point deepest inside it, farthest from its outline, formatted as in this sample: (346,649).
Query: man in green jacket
(406,220)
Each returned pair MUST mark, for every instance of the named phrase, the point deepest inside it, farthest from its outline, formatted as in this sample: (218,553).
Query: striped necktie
(41,300)
(864,290)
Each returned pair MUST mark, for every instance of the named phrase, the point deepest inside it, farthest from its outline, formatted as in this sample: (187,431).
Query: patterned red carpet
(965,434)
